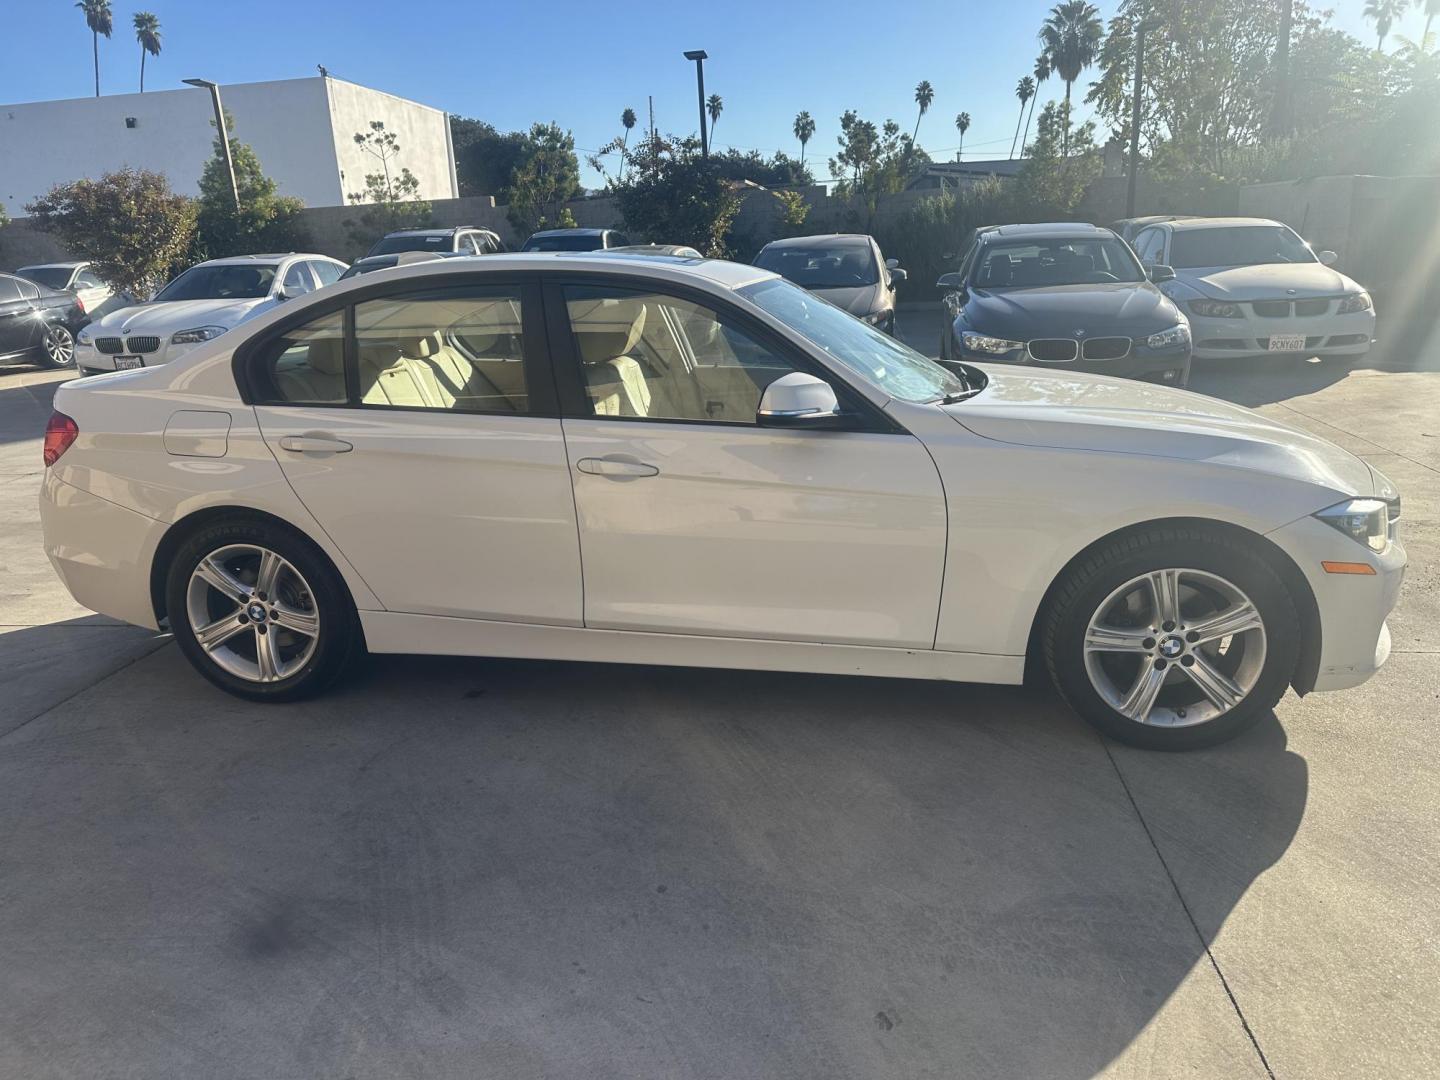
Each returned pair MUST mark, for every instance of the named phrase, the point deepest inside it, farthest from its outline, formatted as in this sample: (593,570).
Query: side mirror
(1327,257)
(798,400)
(891,264)
(283,293)
(1160,272)
(897,275)
(950,283)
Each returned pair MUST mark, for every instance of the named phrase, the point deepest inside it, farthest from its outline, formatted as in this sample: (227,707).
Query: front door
(695,520)
(410,426)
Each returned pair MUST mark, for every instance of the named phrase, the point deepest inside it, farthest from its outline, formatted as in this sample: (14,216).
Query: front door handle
(315,442)
(616,467)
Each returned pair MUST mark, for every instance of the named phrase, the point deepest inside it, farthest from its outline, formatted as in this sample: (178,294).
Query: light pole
(700,56)
(214,89)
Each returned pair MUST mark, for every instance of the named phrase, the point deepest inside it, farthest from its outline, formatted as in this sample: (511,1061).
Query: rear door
(19,328)
(418,426)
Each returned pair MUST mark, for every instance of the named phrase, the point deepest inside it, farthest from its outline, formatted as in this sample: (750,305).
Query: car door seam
(945,548)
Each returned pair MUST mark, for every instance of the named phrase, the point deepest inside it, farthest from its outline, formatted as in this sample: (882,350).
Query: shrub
(266,220)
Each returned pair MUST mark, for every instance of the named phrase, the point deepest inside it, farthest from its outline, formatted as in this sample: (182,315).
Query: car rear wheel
(58,347)
(260,612)
(1172,639)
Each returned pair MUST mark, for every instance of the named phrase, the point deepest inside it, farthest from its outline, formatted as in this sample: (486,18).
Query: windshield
(564,243)
(52,277)
(1043,262)
(226,281)
(876,357)
(390,245)
(1243,245)
(827,266)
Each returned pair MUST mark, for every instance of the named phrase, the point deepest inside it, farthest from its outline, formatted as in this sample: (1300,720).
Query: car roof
(570,232)
(274,256)
(714,272)
(823,240)
(1185,224)
(1049,229)
(52,266)
(448,231)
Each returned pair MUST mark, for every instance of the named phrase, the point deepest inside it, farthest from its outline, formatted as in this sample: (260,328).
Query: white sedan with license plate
(680,461)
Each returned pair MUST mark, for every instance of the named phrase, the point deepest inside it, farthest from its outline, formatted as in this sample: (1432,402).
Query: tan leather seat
(607,330)
(321,378)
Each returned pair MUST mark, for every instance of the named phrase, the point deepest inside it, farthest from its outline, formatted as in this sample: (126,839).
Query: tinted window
(52,277)
(1243,245)
(659,357)
(455,349)
(304,367)
(1055,262)
(824,266)
(9,289)
(327,272)
(228,281)
(432,242)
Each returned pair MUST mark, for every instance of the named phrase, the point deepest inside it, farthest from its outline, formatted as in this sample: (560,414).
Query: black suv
(463,240)
(37,323)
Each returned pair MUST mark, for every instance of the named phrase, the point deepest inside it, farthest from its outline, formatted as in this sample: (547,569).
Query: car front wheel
(1172,639)
(259,611)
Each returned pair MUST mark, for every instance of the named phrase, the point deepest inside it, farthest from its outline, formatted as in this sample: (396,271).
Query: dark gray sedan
(845,268)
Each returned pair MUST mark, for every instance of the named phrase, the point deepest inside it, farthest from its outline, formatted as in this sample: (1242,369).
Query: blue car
(1063,296)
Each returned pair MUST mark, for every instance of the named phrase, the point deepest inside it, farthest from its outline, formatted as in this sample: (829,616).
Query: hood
(1074,411)
(168,317)
(1127,308)
(859,300)
(1277,281)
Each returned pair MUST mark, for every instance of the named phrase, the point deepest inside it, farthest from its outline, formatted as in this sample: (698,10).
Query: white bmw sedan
(694,462)
(1251,286)
(200,304)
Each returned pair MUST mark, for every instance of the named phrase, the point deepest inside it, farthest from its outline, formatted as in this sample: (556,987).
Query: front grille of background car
(1054,350)
(108,345)
(1312,307)
(143,344)
(1105,348)
(1272,309)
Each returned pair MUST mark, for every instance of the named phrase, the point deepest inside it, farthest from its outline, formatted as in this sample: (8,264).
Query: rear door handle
(616,467)
(315,442)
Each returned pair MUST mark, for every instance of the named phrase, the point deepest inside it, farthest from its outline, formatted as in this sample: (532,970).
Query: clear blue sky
(580,64)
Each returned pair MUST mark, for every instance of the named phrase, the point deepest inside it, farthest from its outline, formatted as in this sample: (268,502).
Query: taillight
(60,432)
(80,303)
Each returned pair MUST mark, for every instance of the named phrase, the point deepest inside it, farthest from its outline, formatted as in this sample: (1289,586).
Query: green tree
(102,23)
(1432,8)
(714,105)
(147,33)
(1070,38)
(128,225)
(1383,14)
(485,158)
(924,98)
(391,197)
(266,220)
(804,129)
(628,120)
(772,172)
(962,125)
(545,177)
(1054,179)
(1024,90)
(672,195)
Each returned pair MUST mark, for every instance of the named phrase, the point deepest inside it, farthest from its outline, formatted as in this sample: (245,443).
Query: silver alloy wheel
(60,346)
(252,612)
(1175,648)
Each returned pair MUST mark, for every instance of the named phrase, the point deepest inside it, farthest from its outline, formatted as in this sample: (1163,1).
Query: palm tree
(924,95)
(627,121)
(1070,40)
(714,106)
(1025,90)
(803,129)
(1383,14)
(1432,8)
(1042,72)
(962,125)
(100,21)
(147,33)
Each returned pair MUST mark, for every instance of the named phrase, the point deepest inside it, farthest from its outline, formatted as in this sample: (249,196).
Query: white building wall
(301,129)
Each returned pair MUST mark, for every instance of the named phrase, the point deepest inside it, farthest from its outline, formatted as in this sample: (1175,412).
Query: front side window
(1243,245)
(223,281)
(304,366)
(1148,245)
(1044,263)
(659,357)
(460,350)
(87,280)
(298,281)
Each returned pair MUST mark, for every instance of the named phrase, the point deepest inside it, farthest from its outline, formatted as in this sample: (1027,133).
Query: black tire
(337,642)
(1087,585)
(57,349)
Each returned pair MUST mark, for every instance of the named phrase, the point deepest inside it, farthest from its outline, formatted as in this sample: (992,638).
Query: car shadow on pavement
(26,400)
(551,869)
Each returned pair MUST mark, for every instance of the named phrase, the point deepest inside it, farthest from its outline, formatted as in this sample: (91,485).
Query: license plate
(125,363)
(1287,342)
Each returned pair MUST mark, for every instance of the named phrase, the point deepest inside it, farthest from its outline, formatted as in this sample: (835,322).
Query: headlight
(83,337)
(196,335)
(1366,521)
(1165,339)
(993,345)
(1216,309)
(1359,301)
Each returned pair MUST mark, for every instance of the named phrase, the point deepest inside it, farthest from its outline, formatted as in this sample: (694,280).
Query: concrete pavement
(523,869)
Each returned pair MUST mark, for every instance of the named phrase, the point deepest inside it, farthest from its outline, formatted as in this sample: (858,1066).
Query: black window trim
(541,390)
(575,402)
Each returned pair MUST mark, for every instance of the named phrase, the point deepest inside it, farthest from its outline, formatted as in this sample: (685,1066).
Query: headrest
(607,328)
(417,345)
(327,356)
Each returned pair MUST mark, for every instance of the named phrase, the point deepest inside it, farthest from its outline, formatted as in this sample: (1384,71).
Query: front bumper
(1354,639)
(1325,335)
(1168,366)
(91,361)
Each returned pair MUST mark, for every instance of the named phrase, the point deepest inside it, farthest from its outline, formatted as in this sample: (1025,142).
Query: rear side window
(327,272)
(9,290)
(305,366)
